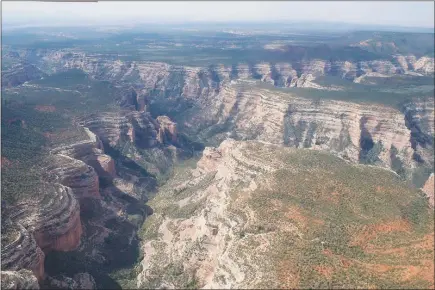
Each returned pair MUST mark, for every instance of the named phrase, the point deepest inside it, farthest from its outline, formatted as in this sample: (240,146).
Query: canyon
(243,175)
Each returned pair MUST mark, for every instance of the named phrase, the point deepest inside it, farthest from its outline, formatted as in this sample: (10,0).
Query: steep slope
(252,215)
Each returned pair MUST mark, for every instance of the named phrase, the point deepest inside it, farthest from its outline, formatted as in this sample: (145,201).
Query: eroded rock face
(355,132)
(22,279)
(50,222)
(428,188)
(350,130)
(231,225)
(419,118)
(91,152)
(112,128)
(54,220)
(167,130)
(74,173)
(186,79)
(22,252)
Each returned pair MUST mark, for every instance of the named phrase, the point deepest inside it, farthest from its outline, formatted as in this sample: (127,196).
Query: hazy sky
(415,14)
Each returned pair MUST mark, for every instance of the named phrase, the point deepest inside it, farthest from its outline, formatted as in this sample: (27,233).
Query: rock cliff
(50,222)
(74,173)
(167,132)
(283,74)
(21,251)
(117,127)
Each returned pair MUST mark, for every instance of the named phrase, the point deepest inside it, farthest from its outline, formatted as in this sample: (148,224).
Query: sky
(391,13)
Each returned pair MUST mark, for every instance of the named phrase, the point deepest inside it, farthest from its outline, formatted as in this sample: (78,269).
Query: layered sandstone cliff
(22,252)
(49,222)
(290,74)
(351,130)
(117,127)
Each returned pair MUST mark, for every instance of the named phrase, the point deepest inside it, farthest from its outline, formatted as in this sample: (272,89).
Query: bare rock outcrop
(54,221)
(74,173)
(91,152)
(133,126)
(22,252)
(197,82)
(22,279)
(359,133)
(51,221)
(167,130)
(419,118)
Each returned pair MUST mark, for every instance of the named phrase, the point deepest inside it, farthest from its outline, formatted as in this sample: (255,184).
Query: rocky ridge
(230,222)
(280,74)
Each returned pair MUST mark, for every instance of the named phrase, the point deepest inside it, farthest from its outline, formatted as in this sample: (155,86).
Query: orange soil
(295,214)
(370,232)
(427,242)
(324,270)
(288,276)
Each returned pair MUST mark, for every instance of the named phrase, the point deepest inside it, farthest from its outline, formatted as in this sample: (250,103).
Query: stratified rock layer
(256,215)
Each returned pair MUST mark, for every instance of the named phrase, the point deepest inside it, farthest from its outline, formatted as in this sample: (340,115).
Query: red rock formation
(56,224)
(39,270)
(64,243)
